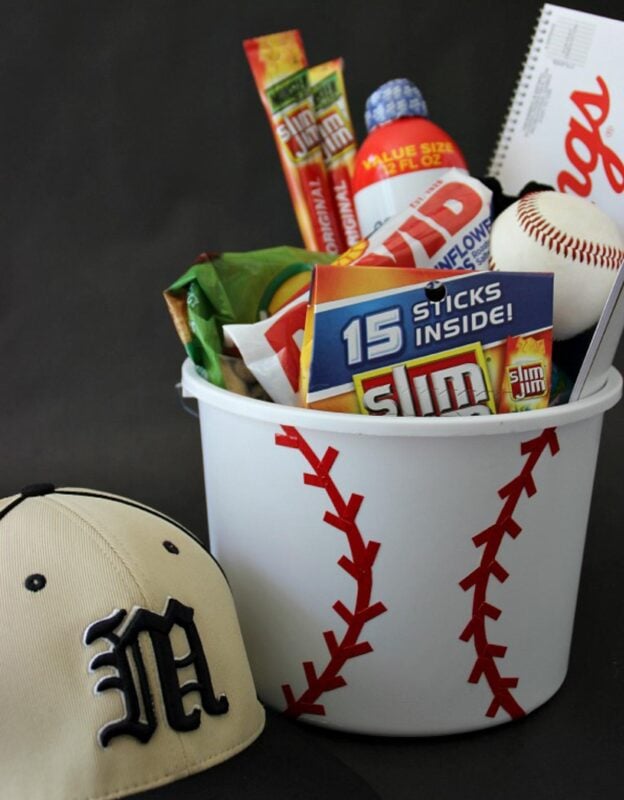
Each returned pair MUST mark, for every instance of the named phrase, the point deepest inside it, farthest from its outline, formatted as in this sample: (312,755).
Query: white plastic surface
(421,489)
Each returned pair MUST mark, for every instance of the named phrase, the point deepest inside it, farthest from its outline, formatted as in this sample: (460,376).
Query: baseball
(570,237)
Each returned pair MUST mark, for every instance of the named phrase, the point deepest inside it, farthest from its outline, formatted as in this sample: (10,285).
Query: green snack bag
(224,288)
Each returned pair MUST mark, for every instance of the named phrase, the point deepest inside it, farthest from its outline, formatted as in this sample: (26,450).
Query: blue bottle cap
(393,100)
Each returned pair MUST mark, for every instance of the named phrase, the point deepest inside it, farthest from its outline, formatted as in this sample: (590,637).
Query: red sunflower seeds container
(402,155)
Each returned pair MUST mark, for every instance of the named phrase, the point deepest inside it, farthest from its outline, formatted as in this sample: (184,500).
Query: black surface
(132,138)
(281,763)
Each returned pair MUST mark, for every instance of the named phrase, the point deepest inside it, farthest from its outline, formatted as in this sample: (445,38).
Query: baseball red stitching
(359,565)
(593,253)
(492,537)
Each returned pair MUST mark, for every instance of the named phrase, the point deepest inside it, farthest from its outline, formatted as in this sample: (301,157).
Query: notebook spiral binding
(515,107)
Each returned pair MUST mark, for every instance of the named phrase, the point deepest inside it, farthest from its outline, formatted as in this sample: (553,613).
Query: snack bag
(271,349)
(425,348)
(447,227)
(279,66)
(225,288)
(338,141)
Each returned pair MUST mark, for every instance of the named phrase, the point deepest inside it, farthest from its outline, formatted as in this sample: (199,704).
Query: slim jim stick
(279,67)
(338,140)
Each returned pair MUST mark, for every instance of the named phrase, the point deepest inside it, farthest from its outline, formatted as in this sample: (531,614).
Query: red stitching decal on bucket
(490,539)
(359,565)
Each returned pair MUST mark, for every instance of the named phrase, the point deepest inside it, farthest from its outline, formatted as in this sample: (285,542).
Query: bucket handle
(184,401)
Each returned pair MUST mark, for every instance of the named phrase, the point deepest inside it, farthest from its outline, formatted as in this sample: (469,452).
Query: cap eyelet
(170,547)
(35,582)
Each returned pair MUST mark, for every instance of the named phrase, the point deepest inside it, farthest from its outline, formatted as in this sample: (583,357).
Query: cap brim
(281,763)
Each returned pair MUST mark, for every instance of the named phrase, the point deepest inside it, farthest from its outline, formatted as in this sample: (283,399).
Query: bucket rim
(193,385)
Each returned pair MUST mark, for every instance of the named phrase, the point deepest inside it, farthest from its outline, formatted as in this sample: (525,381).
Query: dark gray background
(132,139)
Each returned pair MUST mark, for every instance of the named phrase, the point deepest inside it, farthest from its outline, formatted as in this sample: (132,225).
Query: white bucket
(401,576)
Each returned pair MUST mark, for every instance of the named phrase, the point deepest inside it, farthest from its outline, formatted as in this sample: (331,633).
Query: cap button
(37,489)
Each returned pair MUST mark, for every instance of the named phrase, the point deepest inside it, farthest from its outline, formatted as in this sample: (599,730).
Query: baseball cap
(123,672)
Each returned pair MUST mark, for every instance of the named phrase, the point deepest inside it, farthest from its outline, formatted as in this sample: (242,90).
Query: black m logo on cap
(131,678)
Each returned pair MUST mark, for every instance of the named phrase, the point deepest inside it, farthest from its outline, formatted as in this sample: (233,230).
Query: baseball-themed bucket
(401,575)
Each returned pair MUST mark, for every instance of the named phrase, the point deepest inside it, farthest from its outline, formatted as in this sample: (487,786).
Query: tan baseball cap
(122,667)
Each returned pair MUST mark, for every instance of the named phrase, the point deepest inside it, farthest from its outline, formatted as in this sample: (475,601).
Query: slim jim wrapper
(527,379)
(337,139)
(279,66)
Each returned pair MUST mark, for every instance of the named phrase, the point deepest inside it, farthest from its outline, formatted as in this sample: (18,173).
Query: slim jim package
(279,66)
(337,139)
(470,343)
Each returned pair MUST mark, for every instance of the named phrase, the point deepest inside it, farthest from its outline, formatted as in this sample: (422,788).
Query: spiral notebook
(565,128)
(565,125)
